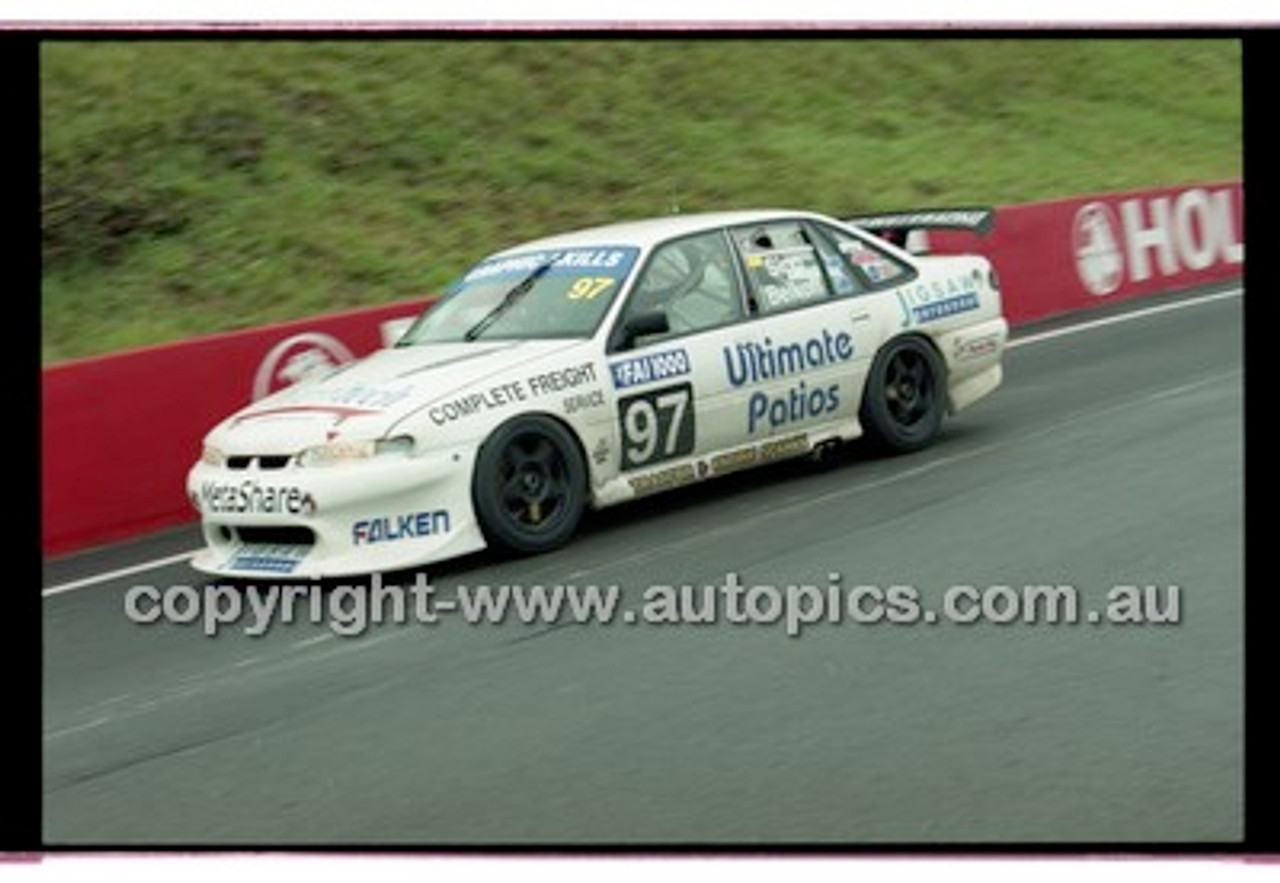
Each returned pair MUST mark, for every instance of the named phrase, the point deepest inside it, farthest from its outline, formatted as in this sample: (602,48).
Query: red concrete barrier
(120,432)
(1072,254)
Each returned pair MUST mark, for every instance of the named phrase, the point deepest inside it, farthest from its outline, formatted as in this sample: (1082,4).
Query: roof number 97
(656,425)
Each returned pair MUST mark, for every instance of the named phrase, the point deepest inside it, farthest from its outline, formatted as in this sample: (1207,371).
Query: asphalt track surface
(1113,455)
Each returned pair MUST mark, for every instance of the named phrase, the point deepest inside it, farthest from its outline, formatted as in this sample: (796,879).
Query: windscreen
(536,294)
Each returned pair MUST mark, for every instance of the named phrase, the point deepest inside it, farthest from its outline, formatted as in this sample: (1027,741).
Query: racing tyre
(905,398)
(530,486)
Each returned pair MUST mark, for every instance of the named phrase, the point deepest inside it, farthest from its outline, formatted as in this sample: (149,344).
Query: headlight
(212,456)
(400,446)
(335,453)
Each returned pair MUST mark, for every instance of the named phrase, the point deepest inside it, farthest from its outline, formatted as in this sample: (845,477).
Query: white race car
(587,369)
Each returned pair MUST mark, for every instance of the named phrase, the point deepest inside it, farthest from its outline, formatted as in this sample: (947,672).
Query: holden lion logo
(1098,258)
(297,358)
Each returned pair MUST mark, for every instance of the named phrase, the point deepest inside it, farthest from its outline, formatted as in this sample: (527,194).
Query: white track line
(1123,317)
(113,574)
(1074,328)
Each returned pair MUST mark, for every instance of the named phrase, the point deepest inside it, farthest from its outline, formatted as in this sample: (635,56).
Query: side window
(784,269)
(692,282)
(879,267)
(843,279)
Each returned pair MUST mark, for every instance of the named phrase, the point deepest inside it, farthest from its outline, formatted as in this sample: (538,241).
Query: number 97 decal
(589,287)
(656,425)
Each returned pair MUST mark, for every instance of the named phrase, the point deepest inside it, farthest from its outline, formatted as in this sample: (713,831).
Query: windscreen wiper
(520,289)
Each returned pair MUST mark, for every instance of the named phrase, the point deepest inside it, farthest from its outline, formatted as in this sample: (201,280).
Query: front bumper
(388,513)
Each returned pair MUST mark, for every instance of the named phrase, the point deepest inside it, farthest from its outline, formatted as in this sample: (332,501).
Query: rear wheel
(905,398)
(530,485)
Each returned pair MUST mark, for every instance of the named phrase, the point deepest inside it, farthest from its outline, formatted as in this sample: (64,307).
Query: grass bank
(192,186)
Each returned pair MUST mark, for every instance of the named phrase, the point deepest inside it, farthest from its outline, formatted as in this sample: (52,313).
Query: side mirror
(642,325)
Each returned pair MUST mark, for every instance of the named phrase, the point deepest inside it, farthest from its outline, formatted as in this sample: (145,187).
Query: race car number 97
(589,287)
(656,425)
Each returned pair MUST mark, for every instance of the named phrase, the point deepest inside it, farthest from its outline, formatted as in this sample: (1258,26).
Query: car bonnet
(366,398)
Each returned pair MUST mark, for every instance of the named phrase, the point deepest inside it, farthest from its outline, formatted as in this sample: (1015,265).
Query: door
(801,362)
(674,398)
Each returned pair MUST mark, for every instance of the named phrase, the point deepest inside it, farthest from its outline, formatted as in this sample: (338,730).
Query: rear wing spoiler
(897,227)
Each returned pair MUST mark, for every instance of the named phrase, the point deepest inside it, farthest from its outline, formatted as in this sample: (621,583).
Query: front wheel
(905,398)
(530,486)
